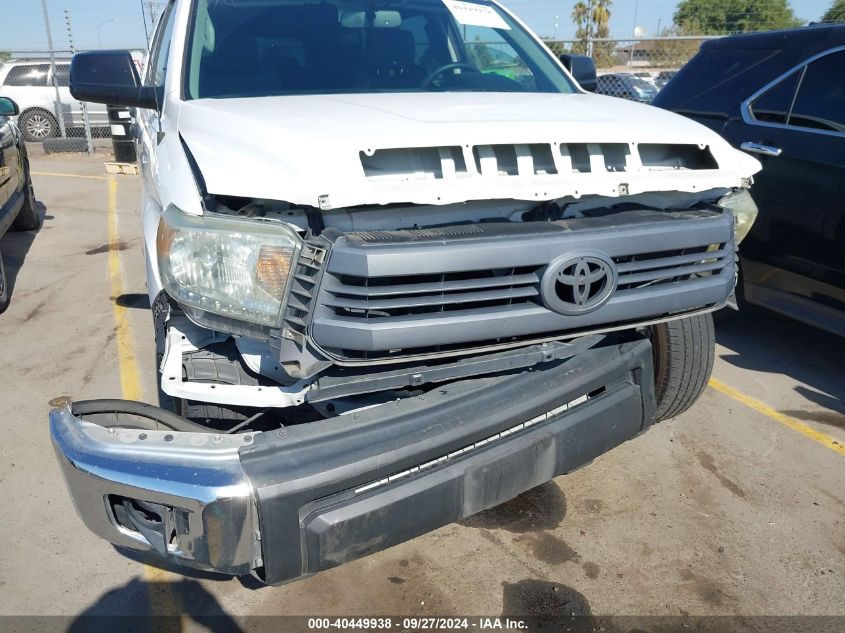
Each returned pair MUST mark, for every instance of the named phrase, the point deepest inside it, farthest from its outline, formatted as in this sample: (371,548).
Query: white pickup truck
(402,269)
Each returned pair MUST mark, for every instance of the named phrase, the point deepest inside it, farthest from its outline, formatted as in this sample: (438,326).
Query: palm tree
(580,16)
(592,19)
(601,17)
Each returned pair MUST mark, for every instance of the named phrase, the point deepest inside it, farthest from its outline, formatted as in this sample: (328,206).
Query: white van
(30,84)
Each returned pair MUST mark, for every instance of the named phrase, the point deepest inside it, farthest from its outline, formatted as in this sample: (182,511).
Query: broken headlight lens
(744,209)
(238,269)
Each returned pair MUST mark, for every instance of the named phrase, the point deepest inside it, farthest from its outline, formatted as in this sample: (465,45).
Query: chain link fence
(37,80)
(635,69)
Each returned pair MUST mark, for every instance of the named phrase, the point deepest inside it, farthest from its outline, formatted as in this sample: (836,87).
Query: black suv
(17,200)
(781,96)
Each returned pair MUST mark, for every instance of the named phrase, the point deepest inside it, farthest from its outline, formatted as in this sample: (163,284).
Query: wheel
(4,288)
(36,125)
(28,217)
(683,352)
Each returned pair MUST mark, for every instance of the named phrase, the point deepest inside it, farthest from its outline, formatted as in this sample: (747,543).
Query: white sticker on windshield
(472,14)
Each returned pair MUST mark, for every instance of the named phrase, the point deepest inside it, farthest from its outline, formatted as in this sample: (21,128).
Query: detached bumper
(294,502)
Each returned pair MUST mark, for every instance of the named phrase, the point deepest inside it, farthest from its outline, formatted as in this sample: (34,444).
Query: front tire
(28,217)
(683,352)
(37,125)
(4,287)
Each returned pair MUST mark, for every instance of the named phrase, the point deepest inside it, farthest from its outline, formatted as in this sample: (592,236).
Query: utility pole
(590,29)
(634,43)
(60,115)
(85,121)
(146,28)
(152,9)
(99,36)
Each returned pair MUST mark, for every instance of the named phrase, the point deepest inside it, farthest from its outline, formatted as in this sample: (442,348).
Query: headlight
(234,268)
(744,209)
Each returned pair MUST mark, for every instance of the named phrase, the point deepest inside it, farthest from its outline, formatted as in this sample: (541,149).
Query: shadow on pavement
(156,606)
(247,582)
(133,300)
(153,561)
(763,341)
(14,246)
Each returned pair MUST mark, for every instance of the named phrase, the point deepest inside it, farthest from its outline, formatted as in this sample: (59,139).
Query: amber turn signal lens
(273,269)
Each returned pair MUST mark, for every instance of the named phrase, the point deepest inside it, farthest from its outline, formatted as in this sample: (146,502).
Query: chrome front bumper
(203,513)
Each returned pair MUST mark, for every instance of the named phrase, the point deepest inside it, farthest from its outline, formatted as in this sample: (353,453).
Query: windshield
(252,48)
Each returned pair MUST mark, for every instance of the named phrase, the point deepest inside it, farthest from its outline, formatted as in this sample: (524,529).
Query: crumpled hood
(442,148)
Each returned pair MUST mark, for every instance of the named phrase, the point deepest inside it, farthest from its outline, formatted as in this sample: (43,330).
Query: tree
(593,24)
(721,17)
(674,53)
(580,16)
(835,13)
(5,56)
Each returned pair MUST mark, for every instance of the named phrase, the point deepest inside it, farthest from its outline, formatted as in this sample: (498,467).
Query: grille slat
(669,273)
(665,262)
(421,301)
(432,287)
(389,297)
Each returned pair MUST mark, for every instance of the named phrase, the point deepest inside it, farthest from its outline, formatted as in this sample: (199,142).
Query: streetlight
(101,24)
(556,19)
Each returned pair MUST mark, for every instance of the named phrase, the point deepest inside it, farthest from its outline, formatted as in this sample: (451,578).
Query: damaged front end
(291,502)
(459,324)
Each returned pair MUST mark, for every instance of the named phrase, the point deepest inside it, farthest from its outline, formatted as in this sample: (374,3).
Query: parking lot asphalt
(737,507)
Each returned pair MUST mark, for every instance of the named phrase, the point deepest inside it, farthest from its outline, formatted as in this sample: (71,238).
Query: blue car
(626,86)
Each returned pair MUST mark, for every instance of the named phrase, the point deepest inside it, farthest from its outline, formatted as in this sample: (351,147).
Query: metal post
(99,36)
(60,114)
(146,29)
(634,43)
(85,121)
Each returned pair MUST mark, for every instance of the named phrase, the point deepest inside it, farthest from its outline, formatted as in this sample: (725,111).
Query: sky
(119,23)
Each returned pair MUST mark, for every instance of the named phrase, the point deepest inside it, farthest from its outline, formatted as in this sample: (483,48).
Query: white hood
(308,150)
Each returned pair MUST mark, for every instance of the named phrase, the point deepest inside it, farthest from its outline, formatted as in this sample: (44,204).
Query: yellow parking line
(130,381)
(59,175)
(777,416)
(161,599)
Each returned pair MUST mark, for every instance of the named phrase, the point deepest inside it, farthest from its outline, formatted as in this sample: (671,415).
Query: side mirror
(111,78)
(8,107)
(583,68)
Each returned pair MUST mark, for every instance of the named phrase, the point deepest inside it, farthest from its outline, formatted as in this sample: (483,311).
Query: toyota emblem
(578,283)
